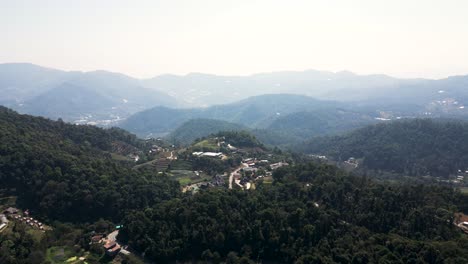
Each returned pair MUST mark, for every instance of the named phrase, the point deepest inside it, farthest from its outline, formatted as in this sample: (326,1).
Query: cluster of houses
(14,214)
(155,149)
(461,176)
(112,248)
(109,243)
(458,179)
(353,162)
(29,221)
(249,171)
(320,157)
(253,165)
(217,181)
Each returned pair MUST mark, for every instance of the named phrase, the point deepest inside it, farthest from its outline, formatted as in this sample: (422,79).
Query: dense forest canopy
(310,213)
(412,147)
(313,213)
(199,128)
(66,171)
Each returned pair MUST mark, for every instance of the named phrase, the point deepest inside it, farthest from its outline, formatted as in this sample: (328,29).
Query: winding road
(236,171)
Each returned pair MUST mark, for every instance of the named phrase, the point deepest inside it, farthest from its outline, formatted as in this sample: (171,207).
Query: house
(112,248)
(243,181)
(232,148)
(204,186)
(250,169)
(217,180)
(275,166)
(113,251)
(96,239)
(212,154)
(3,219)
(109,245)
(11,210)
(134,157)
(251,163)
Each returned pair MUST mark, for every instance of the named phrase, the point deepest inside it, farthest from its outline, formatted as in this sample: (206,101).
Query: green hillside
(307,213)
(311,214)
(411,147)
(66,172)
(255,112)
(198,128)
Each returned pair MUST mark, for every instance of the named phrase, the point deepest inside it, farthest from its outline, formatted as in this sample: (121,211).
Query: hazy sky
(404,38)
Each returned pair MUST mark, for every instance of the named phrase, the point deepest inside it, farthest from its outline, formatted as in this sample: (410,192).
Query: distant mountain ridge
(97,97)
(201,90)
(106,98)
(204,89)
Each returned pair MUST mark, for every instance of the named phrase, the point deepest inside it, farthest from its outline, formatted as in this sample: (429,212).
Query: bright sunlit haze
(406,39)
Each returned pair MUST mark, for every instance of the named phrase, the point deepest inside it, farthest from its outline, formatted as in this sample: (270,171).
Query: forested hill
(199,128)
(311,214)
(240,139)
(258,112)
(304,213)
(284,131)
(66,172)
(411,147)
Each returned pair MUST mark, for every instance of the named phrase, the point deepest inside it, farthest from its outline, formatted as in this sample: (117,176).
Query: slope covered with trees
(283,131)
(66,172)
(311,214)
(199,128)
(410,147)
(255,112)
(320,122)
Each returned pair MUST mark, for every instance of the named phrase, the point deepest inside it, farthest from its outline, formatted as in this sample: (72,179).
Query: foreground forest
(68,177)
(313,213)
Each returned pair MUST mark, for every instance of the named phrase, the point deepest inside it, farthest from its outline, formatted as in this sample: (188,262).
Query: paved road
(113,236)
(231,176)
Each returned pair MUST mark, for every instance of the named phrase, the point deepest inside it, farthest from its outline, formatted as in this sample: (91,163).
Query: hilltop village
(225,160)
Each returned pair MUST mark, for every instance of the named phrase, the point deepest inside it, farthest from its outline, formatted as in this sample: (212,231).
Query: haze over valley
(233,132)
